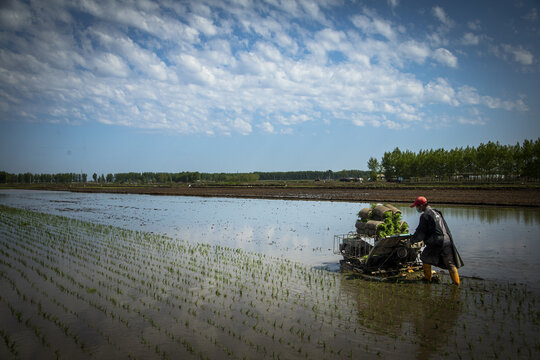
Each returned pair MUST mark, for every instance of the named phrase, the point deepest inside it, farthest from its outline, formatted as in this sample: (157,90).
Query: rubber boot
(454,275)
(427,272)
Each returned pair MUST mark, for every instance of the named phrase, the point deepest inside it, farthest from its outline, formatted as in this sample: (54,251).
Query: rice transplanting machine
(380,249)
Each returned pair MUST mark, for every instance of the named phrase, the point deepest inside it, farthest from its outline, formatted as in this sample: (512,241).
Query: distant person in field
(440,249)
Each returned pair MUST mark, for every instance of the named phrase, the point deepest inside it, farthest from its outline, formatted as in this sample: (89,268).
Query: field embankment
(486,194)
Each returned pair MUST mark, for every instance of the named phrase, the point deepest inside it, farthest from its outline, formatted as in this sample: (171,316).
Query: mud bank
(477,196)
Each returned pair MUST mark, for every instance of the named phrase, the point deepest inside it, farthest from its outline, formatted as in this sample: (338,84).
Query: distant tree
(373,164)
(530,154)
(163,178)
(374,167)
(487,157)
(390,163)
(94,176)
(28,178)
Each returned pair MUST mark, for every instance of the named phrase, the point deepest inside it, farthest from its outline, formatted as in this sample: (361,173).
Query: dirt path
(503,197)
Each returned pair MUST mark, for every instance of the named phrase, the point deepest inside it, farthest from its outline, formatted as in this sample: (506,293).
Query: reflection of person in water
(440,249)
(437,321)
(392,311)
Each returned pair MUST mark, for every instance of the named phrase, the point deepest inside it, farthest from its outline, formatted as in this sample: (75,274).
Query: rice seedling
(162,298)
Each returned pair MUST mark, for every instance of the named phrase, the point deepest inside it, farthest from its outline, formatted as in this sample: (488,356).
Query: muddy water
(496,243)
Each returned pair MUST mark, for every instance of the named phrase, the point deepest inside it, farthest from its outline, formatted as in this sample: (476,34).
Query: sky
(270,85)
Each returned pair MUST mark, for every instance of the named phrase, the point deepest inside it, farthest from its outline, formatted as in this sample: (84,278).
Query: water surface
(495,243)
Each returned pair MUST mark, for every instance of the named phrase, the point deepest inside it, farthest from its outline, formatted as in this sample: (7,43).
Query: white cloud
(269,51)
(470,39)
(184,68)
(14,15)
(471,121)
(393,3)
(194,71)
(519,54)
(110,65)
(143,60)
(440,14)
(293,119)
(445,57)
(394,124)
(242,126)
(286,42)
(474,118)
(474,25)
(203,25)
(513,53)
(362,119)
(469,96)
(374,25)
(287,131)
(312,10)
(438,39)
(267,127)
(148,19)
(440,91)
(330,39)
(418,52)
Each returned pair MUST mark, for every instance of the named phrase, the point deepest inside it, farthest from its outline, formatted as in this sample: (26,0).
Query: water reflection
(494,215)
(421,314)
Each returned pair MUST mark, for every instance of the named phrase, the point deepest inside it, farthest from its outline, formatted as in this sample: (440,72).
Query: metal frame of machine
(378,258)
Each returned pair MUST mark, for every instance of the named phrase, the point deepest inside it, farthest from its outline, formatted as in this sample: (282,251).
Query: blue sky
(240,86)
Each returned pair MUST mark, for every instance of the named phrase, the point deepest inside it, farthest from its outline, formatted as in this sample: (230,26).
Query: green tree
(374,167)
(530,154)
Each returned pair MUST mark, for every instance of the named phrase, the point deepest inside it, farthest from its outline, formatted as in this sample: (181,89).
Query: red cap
(419,201)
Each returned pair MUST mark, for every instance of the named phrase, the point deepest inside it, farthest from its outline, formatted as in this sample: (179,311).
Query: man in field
(440,249)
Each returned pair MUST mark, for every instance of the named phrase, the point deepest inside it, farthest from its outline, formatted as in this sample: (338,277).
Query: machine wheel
(402,252)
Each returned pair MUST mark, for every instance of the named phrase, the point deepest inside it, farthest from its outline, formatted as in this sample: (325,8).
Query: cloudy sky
(275,85)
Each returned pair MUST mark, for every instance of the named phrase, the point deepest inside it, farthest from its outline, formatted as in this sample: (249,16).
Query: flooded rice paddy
(496,243)
(136,284)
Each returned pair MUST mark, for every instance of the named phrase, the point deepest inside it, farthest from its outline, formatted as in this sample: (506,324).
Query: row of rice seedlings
(71,292)
(7,346)
(254,304)
(37,306)
(295,300)
(79,286)
(59,305)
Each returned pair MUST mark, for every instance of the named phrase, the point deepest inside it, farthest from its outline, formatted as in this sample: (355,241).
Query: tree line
(127,178)
(29,178)
(491,160)
(313,175)
(180,177)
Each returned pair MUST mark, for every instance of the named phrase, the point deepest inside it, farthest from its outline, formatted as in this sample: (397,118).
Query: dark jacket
(436,235)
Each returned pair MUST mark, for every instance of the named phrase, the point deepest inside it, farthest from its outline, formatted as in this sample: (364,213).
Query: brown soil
(469,196)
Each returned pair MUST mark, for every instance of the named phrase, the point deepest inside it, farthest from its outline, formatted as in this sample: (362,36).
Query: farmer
(440,249)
